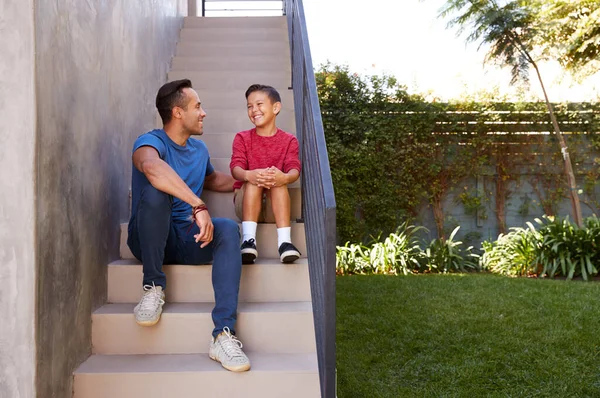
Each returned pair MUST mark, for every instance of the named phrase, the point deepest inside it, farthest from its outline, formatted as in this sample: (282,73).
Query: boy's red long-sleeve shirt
(251,151)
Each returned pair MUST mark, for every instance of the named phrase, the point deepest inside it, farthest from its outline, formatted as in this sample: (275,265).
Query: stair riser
(189,284)
(279,52)
(236,22)
(266,236)
(234,35)
(233,80)
(197,384)
(233,63)
(267,332)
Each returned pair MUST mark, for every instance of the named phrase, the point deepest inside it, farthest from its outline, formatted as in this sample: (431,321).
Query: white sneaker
(147,312)
(227,349)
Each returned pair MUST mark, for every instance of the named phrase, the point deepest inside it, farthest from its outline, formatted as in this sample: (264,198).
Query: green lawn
(472,335)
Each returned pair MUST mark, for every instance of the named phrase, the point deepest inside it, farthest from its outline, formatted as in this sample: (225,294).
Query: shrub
(567,250)
(513,254)
(448,255)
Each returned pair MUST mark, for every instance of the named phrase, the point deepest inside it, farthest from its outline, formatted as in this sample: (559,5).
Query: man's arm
(165,179)
(219,182)
(162,176)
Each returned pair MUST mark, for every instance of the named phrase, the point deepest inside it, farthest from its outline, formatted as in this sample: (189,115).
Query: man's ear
(277,108)
(176,112)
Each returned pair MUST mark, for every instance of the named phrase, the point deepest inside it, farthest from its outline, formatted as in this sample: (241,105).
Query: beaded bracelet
(198,209)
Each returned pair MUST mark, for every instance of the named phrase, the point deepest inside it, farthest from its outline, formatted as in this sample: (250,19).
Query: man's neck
(177,134)
(267,131)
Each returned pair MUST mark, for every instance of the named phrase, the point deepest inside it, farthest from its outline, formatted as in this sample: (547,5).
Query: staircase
(222,57)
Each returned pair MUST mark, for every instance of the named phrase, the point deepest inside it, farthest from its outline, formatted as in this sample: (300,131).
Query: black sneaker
(288,253)
(249,252)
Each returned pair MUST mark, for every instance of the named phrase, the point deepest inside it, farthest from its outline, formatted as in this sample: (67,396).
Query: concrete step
(231,34)
(221,204)
(235,22)
(183,376)
(215,99)
(236,120)
(233,80)
(233,63)
(276,50)
(185,328)
(266,239)
(265,281)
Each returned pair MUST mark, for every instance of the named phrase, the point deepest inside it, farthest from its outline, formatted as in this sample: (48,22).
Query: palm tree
(510,32)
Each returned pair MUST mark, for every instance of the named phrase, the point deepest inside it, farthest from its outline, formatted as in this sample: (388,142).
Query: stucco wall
(17,205)
(98,67)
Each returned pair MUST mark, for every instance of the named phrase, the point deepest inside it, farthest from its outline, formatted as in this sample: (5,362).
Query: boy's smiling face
(261,110)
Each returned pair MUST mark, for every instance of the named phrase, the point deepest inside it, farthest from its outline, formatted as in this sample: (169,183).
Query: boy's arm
(219,182)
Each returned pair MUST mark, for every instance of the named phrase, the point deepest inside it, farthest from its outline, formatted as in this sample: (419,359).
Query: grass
(467,335)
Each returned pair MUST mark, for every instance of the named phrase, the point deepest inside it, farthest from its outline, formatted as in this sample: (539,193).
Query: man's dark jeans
(155,240)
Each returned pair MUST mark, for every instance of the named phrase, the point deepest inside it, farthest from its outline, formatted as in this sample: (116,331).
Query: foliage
(568,250)
(556,248)
(399,253)
(513,254)
(392,154)
(571,32)
(448,255)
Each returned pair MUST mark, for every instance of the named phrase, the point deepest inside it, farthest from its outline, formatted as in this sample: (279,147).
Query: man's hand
(206,226)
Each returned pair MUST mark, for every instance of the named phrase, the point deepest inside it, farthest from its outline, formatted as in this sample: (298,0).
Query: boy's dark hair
(169,96)
(270,91)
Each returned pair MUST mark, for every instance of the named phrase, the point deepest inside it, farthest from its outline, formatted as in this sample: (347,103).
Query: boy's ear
(277,108)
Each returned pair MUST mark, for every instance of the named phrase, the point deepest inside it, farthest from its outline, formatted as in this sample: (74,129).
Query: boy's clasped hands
(267,178)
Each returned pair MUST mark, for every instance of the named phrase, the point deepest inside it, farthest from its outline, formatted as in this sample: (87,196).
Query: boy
(264,161)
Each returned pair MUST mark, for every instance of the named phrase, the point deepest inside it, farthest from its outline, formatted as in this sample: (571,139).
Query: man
(170,223)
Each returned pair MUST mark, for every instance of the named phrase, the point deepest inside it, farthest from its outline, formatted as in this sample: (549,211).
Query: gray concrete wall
(17,204)
(98,67)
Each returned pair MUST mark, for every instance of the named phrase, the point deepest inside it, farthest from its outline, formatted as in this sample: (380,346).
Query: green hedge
(392,152)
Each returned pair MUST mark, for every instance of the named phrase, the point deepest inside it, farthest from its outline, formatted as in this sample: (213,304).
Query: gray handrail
(318,200)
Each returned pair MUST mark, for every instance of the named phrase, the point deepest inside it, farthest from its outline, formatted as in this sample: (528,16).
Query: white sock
(249,230)
(284,235)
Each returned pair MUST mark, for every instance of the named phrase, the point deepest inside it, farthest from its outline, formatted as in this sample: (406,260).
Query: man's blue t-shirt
(191,162)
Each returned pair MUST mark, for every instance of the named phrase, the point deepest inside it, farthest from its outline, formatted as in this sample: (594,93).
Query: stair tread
(174,363)
(260,262)
(206,308)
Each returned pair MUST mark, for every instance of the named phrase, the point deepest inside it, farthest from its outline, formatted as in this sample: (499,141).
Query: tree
(511,32)
(571,32)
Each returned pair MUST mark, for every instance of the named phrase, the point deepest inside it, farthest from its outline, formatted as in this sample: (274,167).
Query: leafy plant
(448,255)
(514,253)
(567,249)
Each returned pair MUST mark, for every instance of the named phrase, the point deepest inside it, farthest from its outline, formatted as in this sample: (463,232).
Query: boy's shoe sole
(249,257)
(240,368)
(289,256)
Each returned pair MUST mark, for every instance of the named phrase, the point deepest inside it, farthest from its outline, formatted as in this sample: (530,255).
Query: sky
(405,38)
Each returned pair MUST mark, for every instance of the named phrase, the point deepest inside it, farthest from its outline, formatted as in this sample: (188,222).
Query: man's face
(192,114)
(261,110)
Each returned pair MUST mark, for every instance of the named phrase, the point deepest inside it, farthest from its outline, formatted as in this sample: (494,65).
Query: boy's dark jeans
(155,240)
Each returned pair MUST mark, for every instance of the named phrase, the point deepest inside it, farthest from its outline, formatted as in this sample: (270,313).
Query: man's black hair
(270,91)
(169,96)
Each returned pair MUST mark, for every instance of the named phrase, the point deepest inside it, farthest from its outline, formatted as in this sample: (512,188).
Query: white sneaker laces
(231,345)
(152,298)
